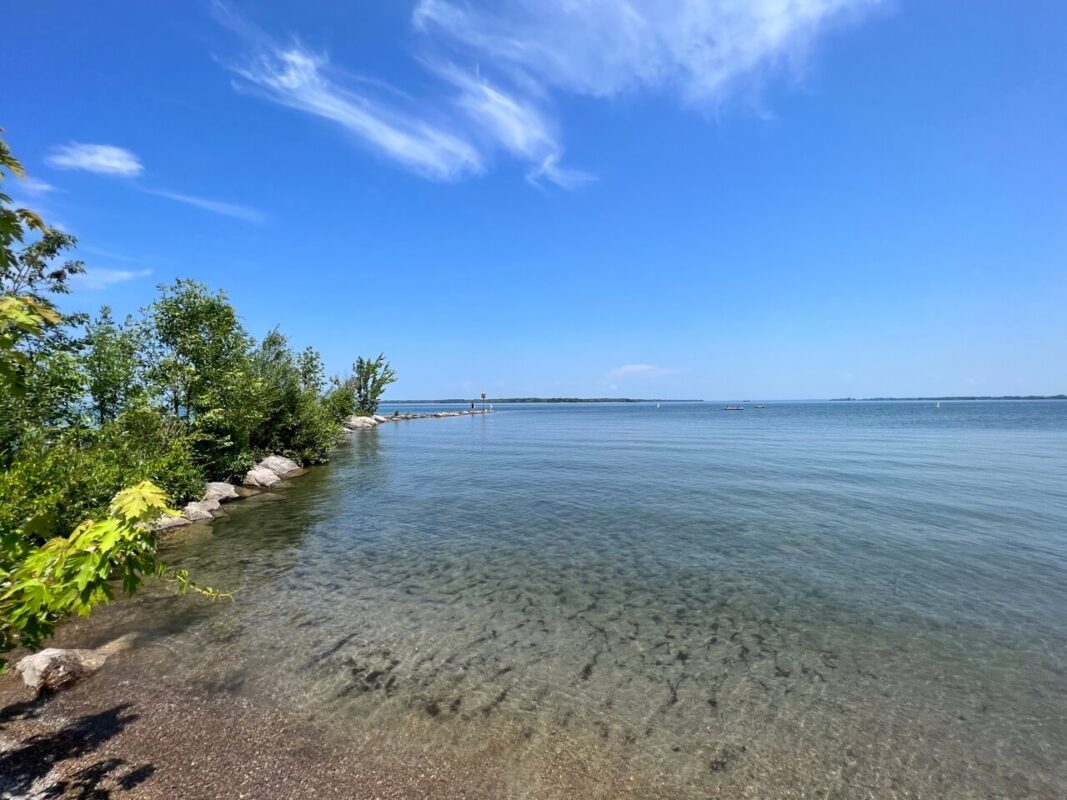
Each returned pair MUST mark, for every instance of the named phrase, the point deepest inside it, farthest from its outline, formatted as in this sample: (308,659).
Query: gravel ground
(112,737)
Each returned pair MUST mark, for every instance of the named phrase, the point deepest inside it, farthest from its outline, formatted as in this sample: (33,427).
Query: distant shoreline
(538,400)
(958,397)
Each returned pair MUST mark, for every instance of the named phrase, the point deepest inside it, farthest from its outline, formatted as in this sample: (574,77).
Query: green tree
(339,399)
(22,319)
(369,382)
(295,421)
(111,365)
(42,582)
(312,373)
(196,347)
(37,352)
(15,223)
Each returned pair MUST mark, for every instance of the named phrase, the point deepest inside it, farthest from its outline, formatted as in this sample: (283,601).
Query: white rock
(356,423)
(55,668)
(379,418)
(167,522)
(260,477)
(279,465)
(221,491)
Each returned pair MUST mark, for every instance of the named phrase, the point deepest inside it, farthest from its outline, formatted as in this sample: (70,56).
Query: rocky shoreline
(52,669)
(273,469)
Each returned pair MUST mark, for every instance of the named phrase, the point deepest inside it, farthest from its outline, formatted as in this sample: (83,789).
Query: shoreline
(273,469)
(125,733)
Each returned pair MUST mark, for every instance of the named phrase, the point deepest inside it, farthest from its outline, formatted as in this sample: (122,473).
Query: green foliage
(21,319)
(371,378)
(195,346)
(54,482)
(295,420)
(111,365)
(40,586)
(38,367)
(15,223)
(340,398)
(159,403)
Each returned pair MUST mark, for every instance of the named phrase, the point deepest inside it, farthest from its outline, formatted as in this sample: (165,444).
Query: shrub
(52,485)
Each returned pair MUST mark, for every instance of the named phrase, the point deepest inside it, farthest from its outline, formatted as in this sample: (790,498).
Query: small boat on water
(733,408)
(759,406)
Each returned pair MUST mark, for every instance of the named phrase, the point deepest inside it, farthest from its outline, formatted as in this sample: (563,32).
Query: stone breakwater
(360,423)
(273,469)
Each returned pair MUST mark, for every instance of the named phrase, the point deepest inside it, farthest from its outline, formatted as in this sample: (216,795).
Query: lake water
(810,600)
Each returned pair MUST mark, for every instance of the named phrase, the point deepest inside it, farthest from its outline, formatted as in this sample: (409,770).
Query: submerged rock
(55,668)
(221,491)
(260,477)
(279,465)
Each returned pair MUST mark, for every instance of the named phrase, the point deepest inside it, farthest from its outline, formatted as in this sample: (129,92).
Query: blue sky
(769,199)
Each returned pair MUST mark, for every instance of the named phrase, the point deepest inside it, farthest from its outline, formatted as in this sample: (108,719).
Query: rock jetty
(362,423)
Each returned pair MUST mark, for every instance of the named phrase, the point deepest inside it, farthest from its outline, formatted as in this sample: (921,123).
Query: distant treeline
(539,400)
(959,397)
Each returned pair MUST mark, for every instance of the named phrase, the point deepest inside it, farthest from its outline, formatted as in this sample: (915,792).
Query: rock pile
(362,423)
(263,475)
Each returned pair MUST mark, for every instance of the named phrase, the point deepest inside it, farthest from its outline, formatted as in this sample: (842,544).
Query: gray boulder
(221,491)
(379,418)
(358,423)
(279,465)
(55,668)
(200,512)
(260,477)
(166,522)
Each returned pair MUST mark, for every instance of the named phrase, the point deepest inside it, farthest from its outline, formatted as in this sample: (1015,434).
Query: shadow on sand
(26,767)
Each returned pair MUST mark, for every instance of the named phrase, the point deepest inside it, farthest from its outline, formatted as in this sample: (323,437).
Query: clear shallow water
(832,600)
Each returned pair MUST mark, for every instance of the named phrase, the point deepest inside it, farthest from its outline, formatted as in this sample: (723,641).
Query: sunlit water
(811,600)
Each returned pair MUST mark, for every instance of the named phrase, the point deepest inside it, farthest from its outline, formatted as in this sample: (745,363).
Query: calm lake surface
(811,600)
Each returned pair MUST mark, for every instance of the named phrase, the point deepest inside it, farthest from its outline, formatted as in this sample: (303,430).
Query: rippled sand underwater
(821,601)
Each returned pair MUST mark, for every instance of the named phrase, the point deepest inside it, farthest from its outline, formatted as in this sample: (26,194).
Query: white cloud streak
(502,63)
(100,278)
(104,159)
(214,206)
(698,48)
(300,79)
(34,187)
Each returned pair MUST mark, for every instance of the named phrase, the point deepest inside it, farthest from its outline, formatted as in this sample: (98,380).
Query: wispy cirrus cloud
(214,206)
(697,50)
(101,278)
(502,64)
(104,159)
(34,187)
(301,79)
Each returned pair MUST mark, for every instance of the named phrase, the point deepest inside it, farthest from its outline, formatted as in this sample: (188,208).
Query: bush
(51,486)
